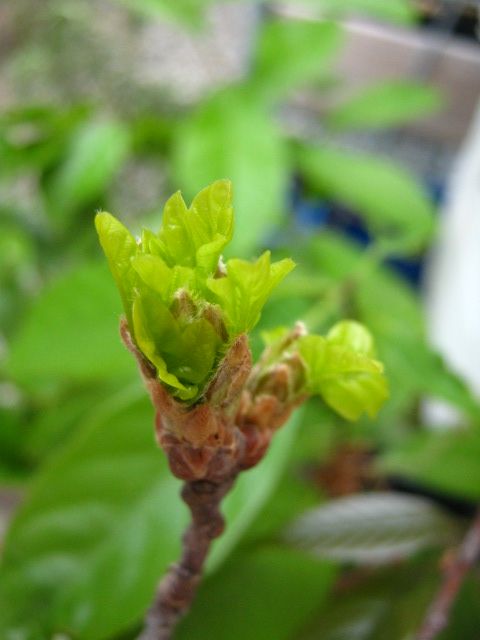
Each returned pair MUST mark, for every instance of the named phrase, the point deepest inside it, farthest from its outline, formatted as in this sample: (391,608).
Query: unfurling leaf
(246,288)
(182,309)
(341,369)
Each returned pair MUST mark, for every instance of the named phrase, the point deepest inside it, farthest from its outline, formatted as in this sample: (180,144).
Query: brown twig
(455,572)
(177,589)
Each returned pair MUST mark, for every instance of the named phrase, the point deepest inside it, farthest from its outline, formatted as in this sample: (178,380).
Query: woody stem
(178,588)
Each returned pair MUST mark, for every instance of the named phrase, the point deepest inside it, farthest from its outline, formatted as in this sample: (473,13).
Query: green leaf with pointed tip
(349,381)
(196,236)
(119,246)
(245,289)
(352,334)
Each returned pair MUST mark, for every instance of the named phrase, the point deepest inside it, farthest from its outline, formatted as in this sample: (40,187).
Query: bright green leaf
(155,327)
(385,105)
(352,335)
(119,246)
(348,381)
(394,206)
(196,236)
(243,292)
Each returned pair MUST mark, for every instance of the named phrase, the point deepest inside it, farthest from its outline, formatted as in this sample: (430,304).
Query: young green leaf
(353,335)
(119,246)
(243,292)
(341,370)
(196,236)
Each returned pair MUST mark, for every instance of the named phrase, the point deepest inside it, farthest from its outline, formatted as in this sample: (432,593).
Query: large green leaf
(96,152)
(101,525)
(448,462)
(292,53)
(103,521)
(71,332)
(263,594)
(394,206)
(385,105)
(232,137)
(372,528)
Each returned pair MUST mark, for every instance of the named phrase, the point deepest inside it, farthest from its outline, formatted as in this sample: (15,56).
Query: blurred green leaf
(389,308)
(105,517)
(400,11)
(449,462)
(389,603)
(394,206)
(385,105)
(232,137)
(95,154)
(263,594)
(371,529)
(70,333)
(102,523)
(187,12)
(292,53)
(34,137)
(464,620)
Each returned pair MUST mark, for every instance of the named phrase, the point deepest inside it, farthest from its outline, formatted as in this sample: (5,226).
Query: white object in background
(453,283)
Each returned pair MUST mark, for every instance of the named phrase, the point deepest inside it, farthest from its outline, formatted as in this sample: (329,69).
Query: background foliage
(100,516)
